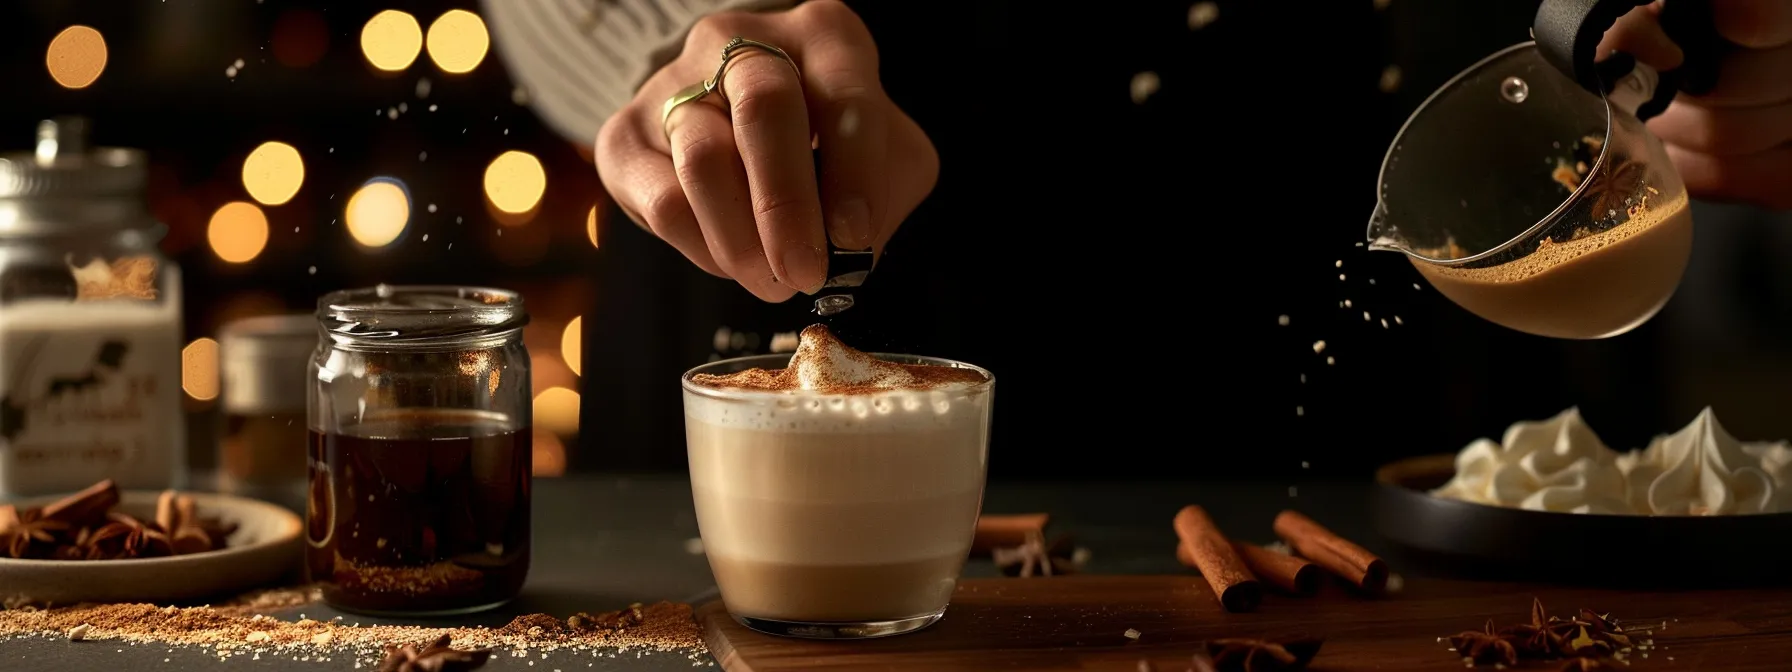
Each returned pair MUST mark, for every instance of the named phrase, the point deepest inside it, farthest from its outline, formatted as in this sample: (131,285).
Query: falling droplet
(833,304)
(1515,90)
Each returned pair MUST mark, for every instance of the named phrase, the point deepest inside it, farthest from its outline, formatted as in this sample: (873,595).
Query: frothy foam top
(1548,256)
(824,364)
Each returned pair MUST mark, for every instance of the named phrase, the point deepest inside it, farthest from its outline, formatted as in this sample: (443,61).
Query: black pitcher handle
(1568,34)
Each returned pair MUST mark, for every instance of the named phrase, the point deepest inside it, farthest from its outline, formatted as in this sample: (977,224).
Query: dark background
(1120,265)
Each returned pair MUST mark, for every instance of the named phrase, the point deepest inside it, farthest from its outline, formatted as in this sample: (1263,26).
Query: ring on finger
(703,89)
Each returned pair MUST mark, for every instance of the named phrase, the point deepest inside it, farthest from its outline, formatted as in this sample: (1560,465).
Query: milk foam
(829,387)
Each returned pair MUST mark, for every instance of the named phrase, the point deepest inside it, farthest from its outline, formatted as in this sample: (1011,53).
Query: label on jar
(89,391)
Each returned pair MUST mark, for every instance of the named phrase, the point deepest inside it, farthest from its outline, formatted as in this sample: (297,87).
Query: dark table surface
(604,542)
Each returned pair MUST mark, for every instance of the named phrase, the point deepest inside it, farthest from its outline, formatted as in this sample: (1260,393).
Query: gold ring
(713,85)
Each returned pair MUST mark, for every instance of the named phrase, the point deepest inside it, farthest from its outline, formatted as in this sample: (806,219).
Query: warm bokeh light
(273,173)
(199,369)
(391,40)
(557,410)
(376,215)
(591,226)
(570,346)
(76,57)
(238,232)
(515,181)
(458,41)
(548,455)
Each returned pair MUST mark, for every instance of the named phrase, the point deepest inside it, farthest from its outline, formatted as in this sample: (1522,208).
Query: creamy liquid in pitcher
(1602,285)
(821,502)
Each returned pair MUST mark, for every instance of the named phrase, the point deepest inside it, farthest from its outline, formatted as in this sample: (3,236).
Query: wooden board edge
(712,618)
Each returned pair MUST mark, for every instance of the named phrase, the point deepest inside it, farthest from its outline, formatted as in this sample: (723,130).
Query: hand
(735,187)
(1735,142)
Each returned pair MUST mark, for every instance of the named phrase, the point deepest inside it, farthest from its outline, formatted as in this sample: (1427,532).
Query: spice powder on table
(230,631)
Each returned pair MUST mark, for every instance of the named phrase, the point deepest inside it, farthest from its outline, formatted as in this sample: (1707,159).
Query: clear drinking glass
(420,450)
(837,516)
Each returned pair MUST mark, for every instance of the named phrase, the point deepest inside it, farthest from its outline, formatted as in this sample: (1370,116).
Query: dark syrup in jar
(420,511)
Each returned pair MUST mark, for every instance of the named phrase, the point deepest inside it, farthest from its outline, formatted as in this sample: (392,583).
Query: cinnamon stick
(1336,554)
(87,507)
(1289,574)
(1219,562)
(1006,531)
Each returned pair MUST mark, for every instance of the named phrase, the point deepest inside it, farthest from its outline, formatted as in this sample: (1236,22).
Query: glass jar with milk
(90,322)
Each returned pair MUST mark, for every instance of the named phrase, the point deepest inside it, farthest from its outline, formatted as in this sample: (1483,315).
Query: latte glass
(837,516)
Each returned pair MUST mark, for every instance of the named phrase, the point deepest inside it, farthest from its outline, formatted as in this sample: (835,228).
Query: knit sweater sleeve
(579,61)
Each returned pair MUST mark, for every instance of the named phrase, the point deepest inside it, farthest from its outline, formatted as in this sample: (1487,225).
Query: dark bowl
(1458,538)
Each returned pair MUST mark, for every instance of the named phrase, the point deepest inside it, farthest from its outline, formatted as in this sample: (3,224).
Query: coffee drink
(837,496)
(1596,286)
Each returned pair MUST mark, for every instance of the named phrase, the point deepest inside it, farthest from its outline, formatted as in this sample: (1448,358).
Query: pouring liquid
(1597,286)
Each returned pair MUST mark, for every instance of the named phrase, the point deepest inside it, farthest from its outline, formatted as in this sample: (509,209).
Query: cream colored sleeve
(579,61)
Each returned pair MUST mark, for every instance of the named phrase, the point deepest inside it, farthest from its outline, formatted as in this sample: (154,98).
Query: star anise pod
(1616,185)
(108,541)
(1534,639)
(1486,646)
(1262,655)
(1035,558)
(437,657)
(28,533)
(141,540)
(614,621)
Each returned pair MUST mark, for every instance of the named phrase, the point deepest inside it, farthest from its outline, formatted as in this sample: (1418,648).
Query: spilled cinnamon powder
(232,631)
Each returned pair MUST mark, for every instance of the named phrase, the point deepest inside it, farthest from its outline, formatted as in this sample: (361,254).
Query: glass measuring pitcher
(1530,198)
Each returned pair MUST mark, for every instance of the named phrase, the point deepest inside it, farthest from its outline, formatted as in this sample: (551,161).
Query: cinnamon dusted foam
(824,364)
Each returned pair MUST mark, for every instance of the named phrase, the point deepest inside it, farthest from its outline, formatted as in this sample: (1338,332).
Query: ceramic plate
(265,547)
(1642,551)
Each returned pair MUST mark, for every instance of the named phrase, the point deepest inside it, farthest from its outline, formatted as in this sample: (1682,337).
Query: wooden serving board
(1077,623)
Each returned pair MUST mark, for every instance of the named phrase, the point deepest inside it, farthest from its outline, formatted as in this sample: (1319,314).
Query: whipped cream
(824,363)
(1559,464)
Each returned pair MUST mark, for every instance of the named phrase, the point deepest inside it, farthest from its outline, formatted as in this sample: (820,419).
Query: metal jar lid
(265,362)
(63,187)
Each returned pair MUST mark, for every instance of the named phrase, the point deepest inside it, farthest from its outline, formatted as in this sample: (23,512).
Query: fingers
(848,111)
(1758,178)
(1756,24)
(771,128)
(1724,130)
(709,169)
(1753,77)
(1639,33)
(642,180)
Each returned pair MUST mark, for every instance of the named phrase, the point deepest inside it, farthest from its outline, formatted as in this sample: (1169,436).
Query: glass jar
(420,450)
(90,322)
(264,364)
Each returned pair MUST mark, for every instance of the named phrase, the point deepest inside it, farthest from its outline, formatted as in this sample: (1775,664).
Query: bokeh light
(76,57)
(557,410)
(376,215)
(391,40)
(458,41)
(273,173)
(515,181)
(591,226)
(300,38)
(238,232)
(570,347)
(548,455)
(199,369)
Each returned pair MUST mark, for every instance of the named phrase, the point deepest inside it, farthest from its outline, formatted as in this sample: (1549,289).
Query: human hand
(730,181)
(1734,142)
